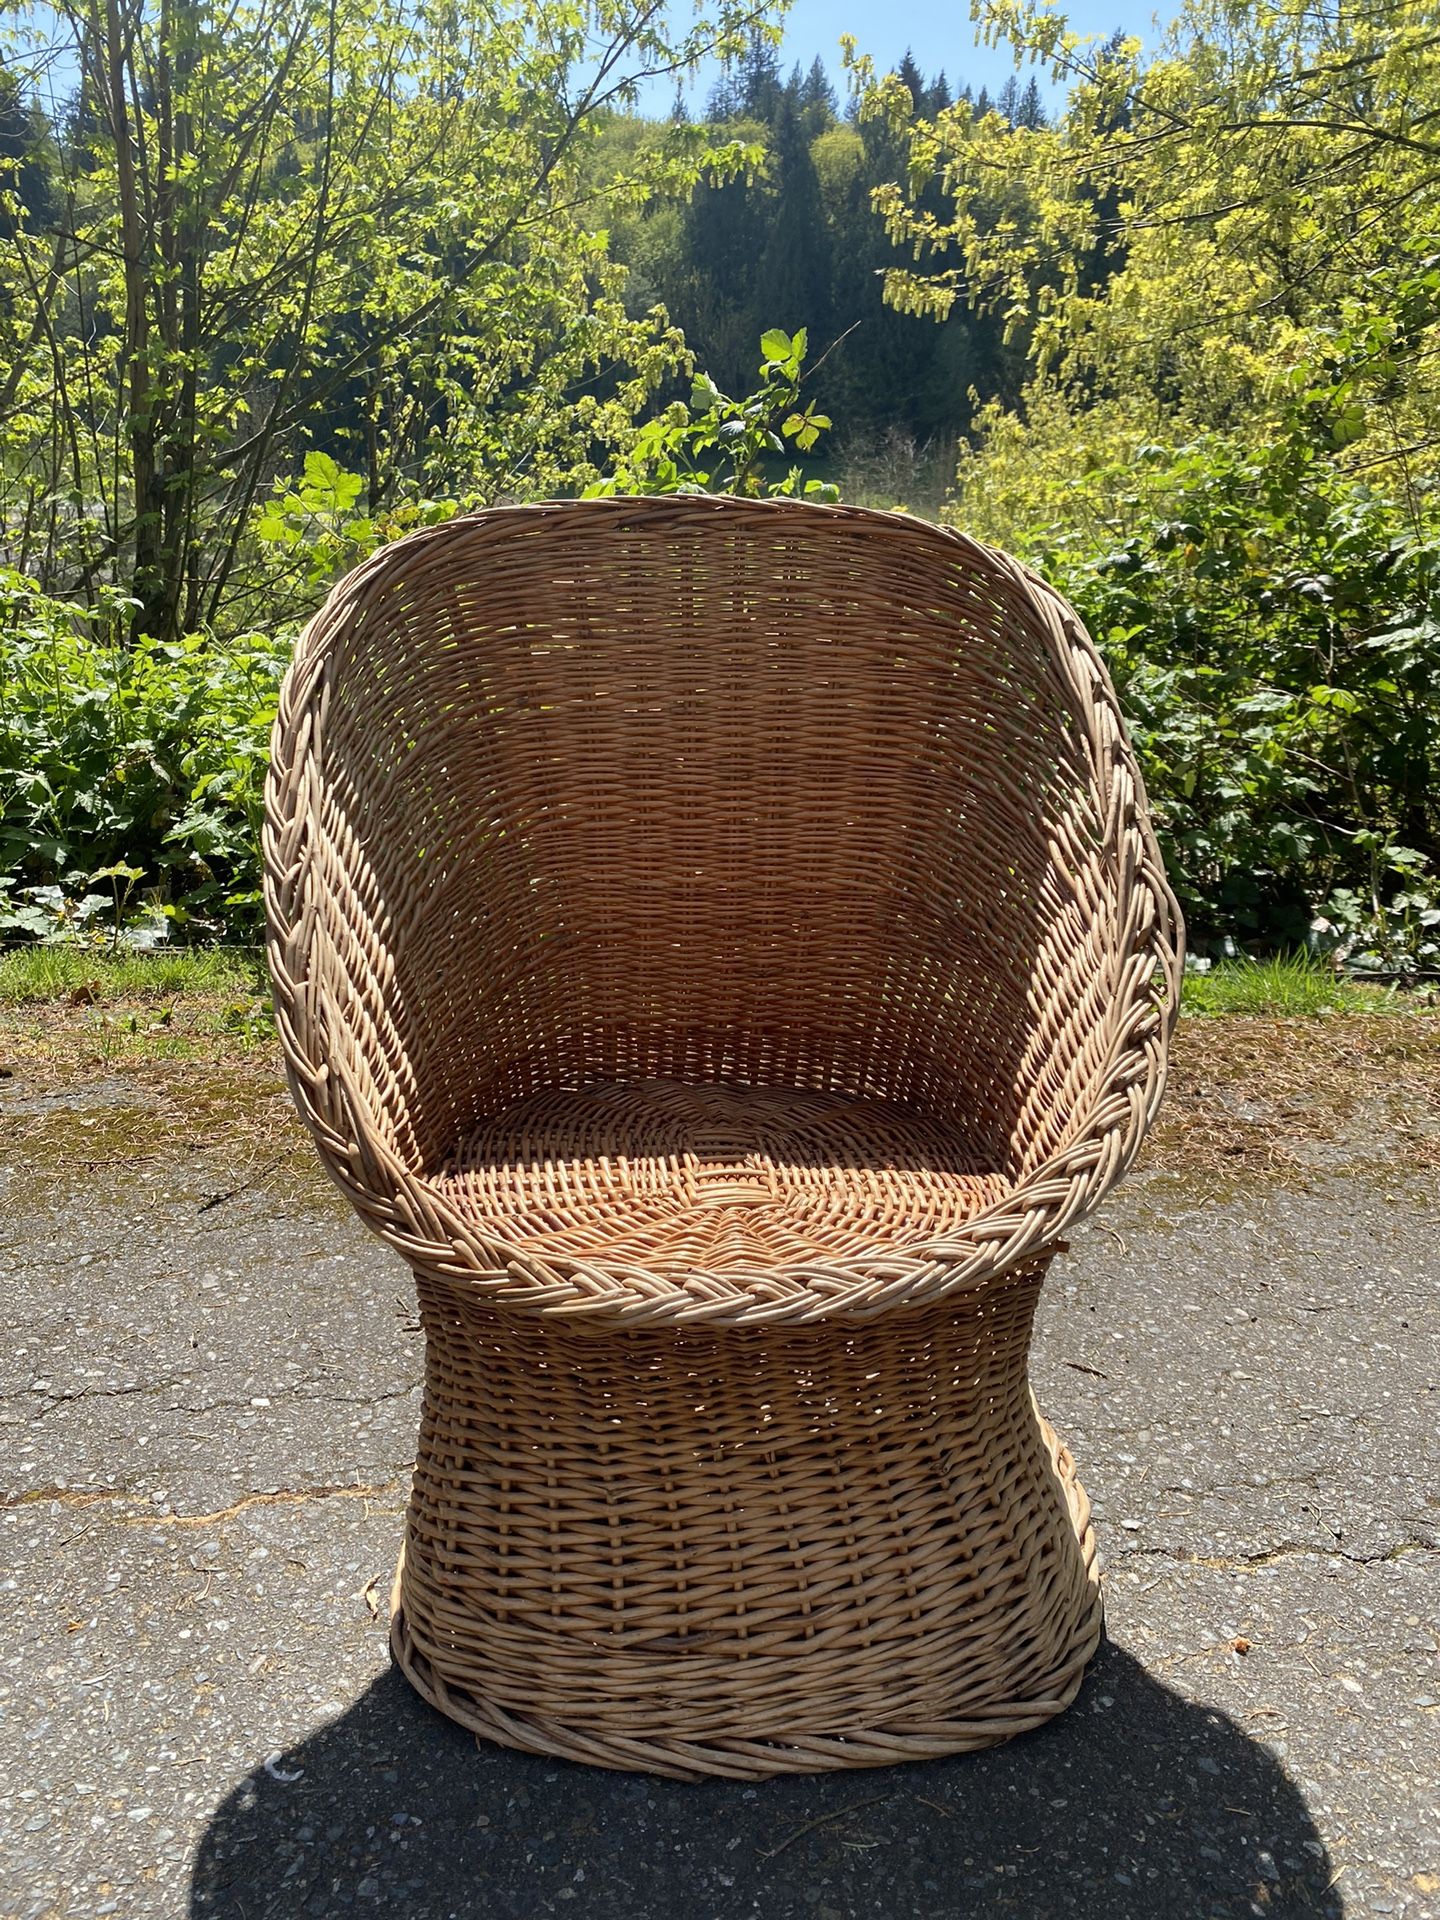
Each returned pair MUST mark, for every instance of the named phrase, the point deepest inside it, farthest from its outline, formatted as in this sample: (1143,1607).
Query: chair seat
(670,1177)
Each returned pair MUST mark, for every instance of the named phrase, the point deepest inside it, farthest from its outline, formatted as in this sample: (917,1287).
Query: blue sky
(938,32)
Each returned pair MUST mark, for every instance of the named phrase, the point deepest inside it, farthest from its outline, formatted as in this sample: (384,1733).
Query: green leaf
(321,471)
(273,528)
(1348,425)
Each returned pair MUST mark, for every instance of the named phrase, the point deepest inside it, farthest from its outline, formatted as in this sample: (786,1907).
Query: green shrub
(131,773)
(1273,628)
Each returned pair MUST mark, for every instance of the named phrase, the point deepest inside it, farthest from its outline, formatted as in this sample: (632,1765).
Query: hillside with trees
(278,285)
(796,242)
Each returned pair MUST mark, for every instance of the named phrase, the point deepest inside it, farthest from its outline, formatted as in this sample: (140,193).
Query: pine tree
(890,374)
(722,102)
(938,98)
(793,281)
(817,96)
(1008,102)
(714,299)
(759,88)
(983,103)
(1031,112)
(27,159)
(913,78)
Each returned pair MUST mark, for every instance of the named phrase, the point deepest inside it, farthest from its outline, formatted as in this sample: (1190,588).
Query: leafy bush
(1273,627)
(131,773)
(720,445)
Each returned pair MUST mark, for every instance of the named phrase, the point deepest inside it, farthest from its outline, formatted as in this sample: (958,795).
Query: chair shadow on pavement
(1134,1805)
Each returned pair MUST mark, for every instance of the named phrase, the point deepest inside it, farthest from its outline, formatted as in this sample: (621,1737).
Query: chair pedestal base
(744,1551)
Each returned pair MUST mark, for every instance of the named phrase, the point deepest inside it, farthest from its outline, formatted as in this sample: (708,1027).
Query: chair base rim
(884,1746)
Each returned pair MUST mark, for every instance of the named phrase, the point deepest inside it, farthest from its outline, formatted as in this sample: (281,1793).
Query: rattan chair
(721,946)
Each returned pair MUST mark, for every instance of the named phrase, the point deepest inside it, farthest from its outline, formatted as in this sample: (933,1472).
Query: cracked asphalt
(208,1400)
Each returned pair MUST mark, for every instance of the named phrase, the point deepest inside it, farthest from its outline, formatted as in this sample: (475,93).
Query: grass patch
(34,974)
(1291,985)
(1300,1066)
(76,1007)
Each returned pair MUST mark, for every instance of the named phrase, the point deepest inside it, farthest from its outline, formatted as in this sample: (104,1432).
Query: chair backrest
(709,789)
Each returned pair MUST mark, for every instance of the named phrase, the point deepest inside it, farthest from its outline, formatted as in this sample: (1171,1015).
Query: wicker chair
(721,946)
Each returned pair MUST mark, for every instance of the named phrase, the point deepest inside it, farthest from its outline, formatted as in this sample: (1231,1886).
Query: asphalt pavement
(209,1394)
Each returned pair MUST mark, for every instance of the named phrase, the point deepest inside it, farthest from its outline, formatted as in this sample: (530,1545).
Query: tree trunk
(147,576)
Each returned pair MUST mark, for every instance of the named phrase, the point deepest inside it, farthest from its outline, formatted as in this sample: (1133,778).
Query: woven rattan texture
(733,1180)
(722,947)
(743,1550)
